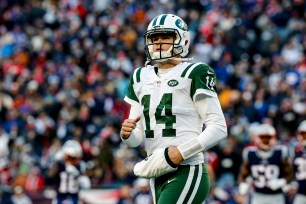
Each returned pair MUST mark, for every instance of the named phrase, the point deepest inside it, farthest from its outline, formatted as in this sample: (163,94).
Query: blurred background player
(142,194)
(20,197)
(267,165)
(299,164)
(68,173)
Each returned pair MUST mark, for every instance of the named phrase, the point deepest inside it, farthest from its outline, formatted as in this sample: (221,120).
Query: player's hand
(127,127)
(243,188)
(240,199)
(276,184)
(175,155)
(154,165)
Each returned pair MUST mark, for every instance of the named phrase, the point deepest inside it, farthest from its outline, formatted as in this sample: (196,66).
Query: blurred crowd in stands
(65,66)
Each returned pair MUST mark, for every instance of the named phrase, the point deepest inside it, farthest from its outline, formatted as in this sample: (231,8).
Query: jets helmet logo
(181,25)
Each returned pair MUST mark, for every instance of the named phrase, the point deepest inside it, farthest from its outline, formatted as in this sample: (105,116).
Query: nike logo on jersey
(170,180)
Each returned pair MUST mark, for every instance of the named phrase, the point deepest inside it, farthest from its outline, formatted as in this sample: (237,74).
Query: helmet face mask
(301,133)
(302,137)
(265,137)
(172,25)
(265,142)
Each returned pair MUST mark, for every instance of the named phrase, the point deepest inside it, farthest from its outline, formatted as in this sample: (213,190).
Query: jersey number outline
(168,118)
(210,82)
(301,168)
(264,173)
(68,183)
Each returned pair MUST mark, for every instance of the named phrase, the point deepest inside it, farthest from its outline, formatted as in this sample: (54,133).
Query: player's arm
(288,175)
(288,171)
(53,170)
(131,131)
(287,166)
(83,179)
(244,173)
(208,107)
(51,175)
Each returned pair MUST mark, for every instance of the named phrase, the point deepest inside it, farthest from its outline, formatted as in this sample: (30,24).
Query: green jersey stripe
(194,67)
(130,92)
(186,69)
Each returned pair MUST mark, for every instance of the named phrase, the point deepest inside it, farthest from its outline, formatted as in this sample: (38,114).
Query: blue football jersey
(299,166)
(67,181)
(265,167)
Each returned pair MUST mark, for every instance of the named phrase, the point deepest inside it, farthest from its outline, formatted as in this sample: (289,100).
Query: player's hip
(188,183)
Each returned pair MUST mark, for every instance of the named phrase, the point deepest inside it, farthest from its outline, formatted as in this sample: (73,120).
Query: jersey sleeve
(130,96)
(203,80)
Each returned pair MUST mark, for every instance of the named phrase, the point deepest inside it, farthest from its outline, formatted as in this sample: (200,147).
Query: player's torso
(169,113)
(265,168)
(68,181)
(299,166)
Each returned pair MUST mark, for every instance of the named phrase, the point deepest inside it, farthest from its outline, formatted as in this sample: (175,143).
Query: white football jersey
(169,116)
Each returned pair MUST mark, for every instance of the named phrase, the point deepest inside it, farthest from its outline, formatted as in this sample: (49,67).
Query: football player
(170,101)
(267,166)
(299,164)
(68,173)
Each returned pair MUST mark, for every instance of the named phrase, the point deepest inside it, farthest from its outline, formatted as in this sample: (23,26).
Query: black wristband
(173,165)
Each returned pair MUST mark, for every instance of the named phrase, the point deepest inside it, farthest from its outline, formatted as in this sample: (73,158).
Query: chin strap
(147,62)
(183,59)
(174,58)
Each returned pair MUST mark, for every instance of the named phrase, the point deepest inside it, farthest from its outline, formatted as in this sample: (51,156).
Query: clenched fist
(128,126)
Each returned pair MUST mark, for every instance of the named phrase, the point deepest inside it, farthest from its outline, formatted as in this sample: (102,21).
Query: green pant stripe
(194,179)
(187,185)
(196,187)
